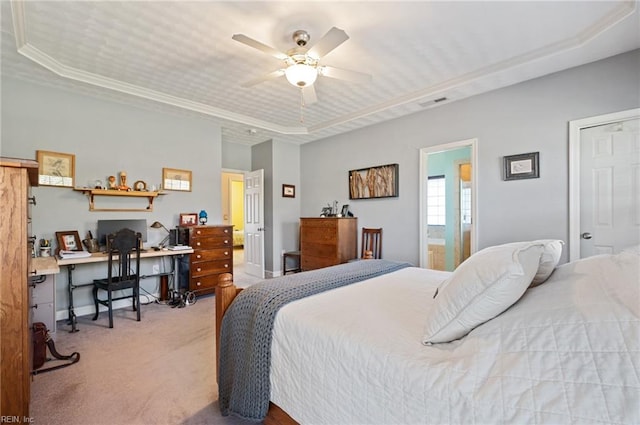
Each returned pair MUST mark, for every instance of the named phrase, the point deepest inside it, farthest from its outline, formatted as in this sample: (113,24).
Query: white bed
(568,351)
(238,237)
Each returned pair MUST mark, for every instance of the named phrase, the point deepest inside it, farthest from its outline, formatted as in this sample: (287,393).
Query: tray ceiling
(179,56)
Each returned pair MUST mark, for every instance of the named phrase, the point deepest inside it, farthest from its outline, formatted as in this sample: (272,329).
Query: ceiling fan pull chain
(301,107)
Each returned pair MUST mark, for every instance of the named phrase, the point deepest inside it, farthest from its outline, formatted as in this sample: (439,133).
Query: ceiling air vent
(430,103)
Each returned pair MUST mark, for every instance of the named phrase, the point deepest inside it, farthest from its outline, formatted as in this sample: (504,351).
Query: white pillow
(552,250)
(482,287)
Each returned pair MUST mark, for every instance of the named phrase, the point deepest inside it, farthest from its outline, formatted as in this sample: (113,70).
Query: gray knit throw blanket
(245,339)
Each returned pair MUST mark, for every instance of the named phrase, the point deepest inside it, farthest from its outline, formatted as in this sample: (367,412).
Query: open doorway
(233,213)
(447,204)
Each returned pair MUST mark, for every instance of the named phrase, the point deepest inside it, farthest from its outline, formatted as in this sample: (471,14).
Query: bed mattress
(567,352)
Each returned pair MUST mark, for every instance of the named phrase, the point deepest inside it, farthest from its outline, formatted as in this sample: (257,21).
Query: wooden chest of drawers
(212,256)
(327,241)
(16,178)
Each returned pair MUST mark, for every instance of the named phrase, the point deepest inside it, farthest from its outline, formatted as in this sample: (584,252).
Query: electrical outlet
(156,269)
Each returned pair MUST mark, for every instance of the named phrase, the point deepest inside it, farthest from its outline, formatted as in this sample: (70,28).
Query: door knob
(586,235)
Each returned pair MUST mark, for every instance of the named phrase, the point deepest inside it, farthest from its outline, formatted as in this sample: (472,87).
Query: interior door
(254,223)
(609,187)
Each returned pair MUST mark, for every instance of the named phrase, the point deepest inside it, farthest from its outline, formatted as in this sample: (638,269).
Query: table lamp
(158,225)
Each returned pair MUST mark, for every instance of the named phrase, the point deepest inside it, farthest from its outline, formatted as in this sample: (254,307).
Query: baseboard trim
(86,310)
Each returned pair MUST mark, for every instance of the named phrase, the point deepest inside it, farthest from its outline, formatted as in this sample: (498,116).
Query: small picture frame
(188,219)
(326,212)
(288,191)
(56,169)
(345,211)
(174,179)
(69,241)
(522,166)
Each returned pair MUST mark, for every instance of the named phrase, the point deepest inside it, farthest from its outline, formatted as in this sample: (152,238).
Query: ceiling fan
(302,64)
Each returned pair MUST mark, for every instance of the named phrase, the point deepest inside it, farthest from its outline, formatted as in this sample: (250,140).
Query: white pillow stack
(487,284)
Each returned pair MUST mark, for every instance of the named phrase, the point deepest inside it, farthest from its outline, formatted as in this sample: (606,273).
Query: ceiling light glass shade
(301,75)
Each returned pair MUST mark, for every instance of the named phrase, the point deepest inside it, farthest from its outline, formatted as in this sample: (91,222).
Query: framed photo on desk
(69,240)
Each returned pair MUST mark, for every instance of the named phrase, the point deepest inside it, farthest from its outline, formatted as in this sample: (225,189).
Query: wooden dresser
(16,178)
(327,241)
(212,255)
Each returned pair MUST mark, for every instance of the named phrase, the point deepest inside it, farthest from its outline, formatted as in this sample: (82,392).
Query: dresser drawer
(312,263)
(203,282)
(204,268)
(210,254)
(318,234)
(319,249)
(211,242)
(200,232)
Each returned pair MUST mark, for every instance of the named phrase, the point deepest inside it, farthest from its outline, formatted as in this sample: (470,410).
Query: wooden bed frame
(226,291)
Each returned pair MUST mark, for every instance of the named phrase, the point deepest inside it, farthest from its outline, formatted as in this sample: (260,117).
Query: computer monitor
(106,227)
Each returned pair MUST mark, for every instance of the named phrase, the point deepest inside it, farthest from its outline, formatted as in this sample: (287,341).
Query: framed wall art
(288,191)
(188,219)
(174,179)
(69,240)
(56,169)
(374,182)
(522,166)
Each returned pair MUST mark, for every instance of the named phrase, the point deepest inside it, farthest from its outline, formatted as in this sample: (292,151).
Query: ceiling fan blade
(309,95)
(328,42)
(260,46)
(344,74)
(270,76)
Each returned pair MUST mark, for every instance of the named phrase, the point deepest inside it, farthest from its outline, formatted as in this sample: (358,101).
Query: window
(436,195)
(465,207)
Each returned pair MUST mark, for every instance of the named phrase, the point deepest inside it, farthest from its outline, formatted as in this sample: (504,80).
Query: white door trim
(575,128)
(424,153)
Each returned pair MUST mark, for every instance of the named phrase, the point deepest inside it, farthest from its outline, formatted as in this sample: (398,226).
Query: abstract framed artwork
(374,182)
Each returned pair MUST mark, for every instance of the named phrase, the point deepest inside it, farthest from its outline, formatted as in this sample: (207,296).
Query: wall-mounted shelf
(92,193)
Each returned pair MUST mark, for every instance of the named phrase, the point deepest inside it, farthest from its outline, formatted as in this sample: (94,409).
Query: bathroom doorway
(447,204)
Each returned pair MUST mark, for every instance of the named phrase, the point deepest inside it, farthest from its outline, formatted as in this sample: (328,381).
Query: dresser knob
(226,253)
(199,269)
(226,230)
(198,243)
(226,241)
(198,256)
(226,266)
(197,283)
(198,232)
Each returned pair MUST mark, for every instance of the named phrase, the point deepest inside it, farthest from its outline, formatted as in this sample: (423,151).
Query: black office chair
(124,251)
(371,243)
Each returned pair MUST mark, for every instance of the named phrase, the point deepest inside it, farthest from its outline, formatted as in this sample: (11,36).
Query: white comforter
(567,352)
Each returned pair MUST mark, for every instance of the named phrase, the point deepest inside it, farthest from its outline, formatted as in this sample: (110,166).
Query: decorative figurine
(203,216)
(123,181)
(112,182)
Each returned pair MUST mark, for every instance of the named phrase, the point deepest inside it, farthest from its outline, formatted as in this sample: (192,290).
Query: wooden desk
(99,257)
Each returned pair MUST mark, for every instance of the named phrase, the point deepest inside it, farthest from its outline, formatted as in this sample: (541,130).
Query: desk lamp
(158,225)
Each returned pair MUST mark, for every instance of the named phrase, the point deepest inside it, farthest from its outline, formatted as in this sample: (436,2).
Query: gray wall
(527,117)
(281,164)
(106,138)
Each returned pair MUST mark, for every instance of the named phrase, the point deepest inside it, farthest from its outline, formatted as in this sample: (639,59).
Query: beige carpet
(157,371)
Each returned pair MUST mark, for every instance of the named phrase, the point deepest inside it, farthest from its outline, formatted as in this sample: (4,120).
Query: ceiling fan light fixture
(301,75)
